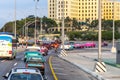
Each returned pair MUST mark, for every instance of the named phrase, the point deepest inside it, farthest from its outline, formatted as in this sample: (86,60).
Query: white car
(66,46)
(32,48)
(24,74)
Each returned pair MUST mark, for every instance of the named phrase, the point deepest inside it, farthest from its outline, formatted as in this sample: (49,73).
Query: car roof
(26,70)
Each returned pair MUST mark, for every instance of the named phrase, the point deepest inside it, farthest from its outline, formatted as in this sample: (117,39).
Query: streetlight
(15,19)
(113,50)
(35,34)
(100,66)
(63,24)
(99,36)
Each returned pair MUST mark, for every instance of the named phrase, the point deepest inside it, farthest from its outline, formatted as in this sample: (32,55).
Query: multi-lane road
(55,68)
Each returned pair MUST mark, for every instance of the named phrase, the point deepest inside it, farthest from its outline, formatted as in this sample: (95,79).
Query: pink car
(79,45)
(90,44)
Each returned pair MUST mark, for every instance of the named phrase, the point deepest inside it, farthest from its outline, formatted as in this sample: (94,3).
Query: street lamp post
(15,20)
(99,36)
(63,25)
(35,34)
(100,65)
(113,50)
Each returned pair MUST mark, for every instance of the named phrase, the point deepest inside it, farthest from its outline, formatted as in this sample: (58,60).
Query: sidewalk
(87,60)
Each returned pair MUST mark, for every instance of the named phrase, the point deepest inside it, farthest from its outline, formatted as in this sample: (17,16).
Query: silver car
(24,74)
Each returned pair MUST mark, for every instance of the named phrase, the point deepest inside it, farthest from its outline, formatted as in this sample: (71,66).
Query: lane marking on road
(51,68)
(15,64)
(3,60)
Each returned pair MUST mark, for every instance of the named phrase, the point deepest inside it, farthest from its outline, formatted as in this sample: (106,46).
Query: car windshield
(21,76)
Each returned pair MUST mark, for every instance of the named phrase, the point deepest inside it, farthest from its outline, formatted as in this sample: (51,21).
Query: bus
(8,46)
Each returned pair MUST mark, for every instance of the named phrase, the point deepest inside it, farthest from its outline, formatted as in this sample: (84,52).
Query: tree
(117,25)
(68,22)
(108,24)
(87,21)
(94,24)
(74,24)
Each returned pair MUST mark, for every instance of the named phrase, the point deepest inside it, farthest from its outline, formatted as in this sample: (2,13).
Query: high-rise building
(83,9)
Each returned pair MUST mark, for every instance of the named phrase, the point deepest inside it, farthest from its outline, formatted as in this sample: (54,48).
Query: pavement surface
(86,60)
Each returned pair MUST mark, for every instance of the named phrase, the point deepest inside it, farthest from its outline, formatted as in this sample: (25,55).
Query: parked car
(104,43)
(67,46)
(79,45)
(90,44)
(24,74)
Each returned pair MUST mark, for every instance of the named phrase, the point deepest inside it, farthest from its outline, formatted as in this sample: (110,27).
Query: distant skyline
(23,9)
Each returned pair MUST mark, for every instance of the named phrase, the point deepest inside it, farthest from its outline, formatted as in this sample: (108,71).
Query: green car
(35,59)
(28,54)
(36,62)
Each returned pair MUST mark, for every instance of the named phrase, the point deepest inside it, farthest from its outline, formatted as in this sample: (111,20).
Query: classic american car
(33,58)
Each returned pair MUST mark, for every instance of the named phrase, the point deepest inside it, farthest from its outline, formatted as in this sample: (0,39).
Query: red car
(44,50)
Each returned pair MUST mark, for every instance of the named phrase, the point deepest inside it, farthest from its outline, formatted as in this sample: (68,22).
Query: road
(67,71)
(62,69)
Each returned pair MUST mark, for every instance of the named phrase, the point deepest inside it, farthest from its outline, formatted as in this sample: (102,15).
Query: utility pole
(113,50)
(99,36)
(100,65)
(15,20)
(63,5)
(35,34)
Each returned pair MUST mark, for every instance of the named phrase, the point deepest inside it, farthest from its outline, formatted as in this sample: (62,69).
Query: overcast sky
(23,9)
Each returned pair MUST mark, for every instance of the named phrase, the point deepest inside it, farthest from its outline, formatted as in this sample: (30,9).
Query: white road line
(62,74)
(15,64)
(3,60)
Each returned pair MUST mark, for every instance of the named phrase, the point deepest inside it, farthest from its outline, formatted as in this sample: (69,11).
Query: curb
(99,77)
